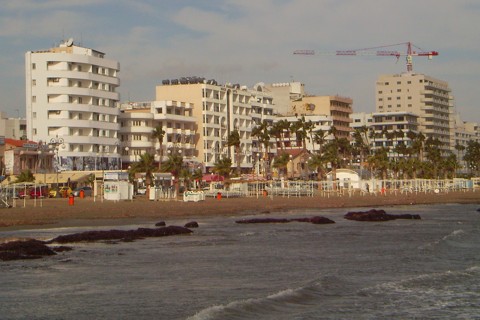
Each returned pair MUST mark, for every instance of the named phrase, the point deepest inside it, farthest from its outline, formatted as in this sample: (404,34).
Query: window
(137,137)
(399,82)
(380,92)
(398,98)
(409,82)
(34,66)
(136,123)
(399,90)
(386,83)
(34,82)
(34,130)
(34,98)
(34,115)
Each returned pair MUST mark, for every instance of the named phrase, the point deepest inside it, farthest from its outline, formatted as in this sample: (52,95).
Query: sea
(400,269)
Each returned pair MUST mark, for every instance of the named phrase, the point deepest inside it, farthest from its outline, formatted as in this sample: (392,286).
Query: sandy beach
(58,212)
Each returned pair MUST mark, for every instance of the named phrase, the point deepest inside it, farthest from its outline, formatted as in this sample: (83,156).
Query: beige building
(219,110)
(428,98)
(139,119)
(338,108)
(13,128)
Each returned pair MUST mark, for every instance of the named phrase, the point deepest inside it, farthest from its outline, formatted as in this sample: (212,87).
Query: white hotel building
(71,99)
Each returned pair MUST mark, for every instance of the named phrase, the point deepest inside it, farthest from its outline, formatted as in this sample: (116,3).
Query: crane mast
(380,51)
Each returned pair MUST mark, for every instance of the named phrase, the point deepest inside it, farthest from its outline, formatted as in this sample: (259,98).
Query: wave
(454,235)
(276,305)
(443,294)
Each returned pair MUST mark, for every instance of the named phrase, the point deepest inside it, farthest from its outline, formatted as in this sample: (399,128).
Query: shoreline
(57,213)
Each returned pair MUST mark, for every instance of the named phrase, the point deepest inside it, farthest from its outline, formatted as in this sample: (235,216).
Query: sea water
(401,269)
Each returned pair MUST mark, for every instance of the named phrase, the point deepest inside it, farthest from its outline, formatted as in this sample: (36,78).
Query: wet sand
(58,213)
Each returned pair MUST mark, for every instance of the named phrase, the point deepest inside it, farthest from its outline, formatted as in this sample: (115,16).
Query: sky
(250,41)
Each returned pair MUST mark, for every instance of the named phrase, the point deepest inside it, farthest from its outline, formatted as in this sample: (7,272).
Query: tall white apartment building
(71,105)
(219,110)
(428,98)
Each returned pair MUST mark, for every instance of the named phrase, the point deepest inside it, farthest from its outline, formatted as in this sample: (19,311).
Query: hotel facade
(72,106)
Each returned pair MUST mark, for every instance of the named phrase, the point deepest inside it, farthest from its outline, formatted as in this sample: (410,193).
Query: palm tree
(234,140)
(223,167)
(262,132)
(319,137)
(158,133)
(26,176)
(317,162)
(281,162)
(174,165)
(472,155)
(145,164)
(302,129)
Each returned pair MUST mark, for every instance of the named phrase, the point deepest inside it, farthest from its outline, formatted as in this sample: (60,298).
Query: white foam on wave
(454,234)
(248,308)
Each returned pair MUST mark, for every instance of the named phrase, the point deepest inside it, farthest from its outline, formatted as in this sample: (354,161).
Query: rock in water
(28,249)
(377,215)
(314,220)
(191,224)
(125,235)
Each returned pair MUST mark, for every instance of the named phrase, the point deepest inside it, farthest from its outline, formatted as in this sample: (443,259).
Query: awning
(61,178)
(212,177)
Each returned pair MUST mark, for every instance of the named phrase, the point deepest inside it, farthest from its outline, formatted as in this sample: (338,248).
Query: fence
(345,188)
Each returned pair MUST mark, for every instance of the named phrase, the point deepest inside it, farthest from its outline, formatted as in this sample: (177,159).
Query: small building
(346,178)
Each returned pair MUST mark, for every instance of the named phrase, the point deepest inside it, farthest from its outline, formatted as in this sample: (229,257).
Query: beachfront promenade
(59,212)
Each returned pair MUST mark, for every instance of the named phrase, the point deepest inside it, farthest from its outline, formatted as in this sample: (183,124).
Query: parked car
(142,191)
(62,192)
(39,192)
(87,191)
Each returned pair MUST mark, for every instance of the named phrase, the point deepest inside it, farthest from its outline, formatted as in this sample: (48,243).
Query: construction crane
(416,51)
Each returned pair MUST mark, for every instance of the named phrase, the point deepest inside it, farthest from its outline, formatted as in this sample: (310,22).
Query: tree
(234,140)
(302,129)
(434,154)
(173,164)
(158,133)
(262,133)
(146,164)
(278,131)
(281,162)
(472,156)
(319,137)
(25,176)
(223,167)
(317,162)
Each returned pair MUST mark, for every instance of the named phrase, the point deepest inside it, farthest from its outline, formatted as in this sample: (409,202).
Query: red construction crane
(374,51)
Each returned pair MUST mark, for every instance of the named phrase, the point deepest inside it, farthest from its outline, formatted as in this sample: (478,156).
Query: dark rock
(377,215)
(263,220)
(191,224)
(160,224)
(321,220)
(125,235)
(314,220)
(28,249)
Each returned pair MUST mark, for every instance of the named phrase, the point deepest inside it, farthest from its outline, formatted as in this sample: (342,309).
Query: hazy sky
(250,41)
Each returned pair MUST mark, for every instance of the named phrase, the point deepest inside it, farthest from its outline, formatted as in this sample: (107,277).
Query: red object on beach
(71,200)
(219,195)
